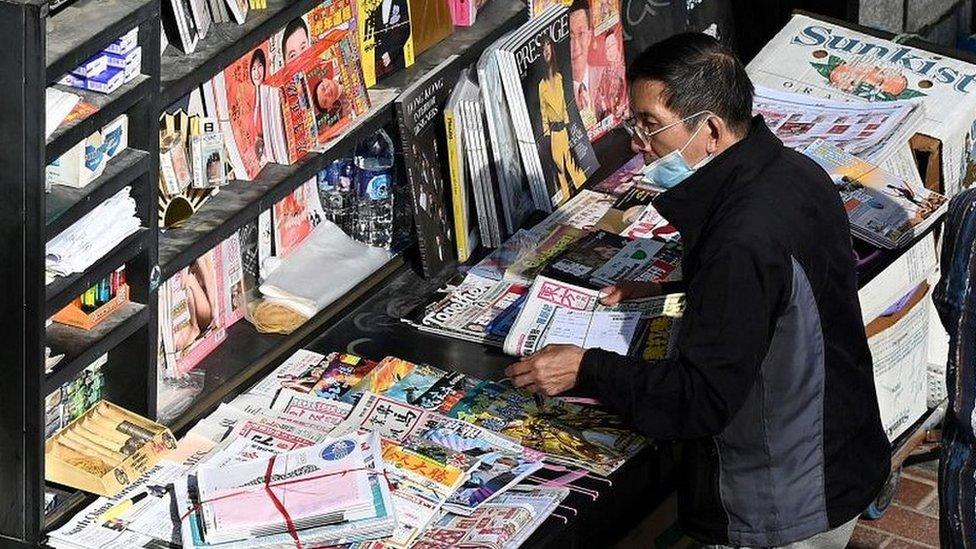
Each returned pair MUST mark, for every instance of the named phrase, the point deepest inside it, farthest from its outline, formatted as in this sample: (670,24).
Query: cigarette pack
(107,81)
(92,66)
(115,136)
(207,150)
(125,43)
(123,60)
(130,72)
(105,449)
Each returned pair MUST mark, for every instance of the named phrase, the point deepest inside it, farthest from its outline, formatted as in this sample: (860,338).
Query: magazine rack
(39,47)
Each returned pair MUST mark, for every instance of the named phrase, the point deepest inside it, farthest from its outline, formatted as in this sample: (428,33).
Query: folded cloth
(326,266)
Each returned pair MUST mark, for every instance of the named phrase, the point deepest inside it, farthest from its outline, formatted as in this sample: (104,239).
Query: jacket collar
(689,204)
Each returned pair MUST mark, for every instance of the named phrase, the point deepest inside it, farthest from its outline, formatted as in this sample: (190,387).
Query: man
(586,78)
(771,387)
(388,24)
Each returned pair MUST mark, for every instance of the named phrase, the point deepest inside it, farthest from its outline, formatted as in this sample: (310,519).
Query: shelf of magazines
(224,43)
(240,202)
(245,354)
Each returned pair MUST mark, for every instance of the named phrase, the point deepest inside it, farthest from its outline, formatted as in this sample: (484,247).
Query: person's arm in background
(725,333)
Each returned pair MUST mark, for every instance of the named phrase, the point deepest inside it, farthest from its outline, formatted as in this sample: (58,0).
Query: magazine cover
(543,96)
(384,37)
(525,268)
(190,302)
(828,60)
(597,53)
(884,210)
(335,82)
(292,223)
(622,180)
(343,371)
(241,84)
(302,33)
(234,293)
(420,110)
(578,262)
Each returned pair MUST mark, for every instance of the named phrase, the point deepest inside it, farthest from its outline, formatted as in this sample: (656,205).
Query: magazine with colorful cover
(304,32)
(385,37)
(420,110)
(581,259)
(624,178)
(411,387)
(466,233)
(827,59)
(342,372)
(335,83)
(239,109)
(537,77)
(597,51)
(581,436)
(884,209)
(292,224)
(380,379)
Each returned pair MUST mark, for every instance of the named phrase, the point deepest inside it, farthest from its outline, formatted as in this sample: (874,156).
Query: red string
(278,505)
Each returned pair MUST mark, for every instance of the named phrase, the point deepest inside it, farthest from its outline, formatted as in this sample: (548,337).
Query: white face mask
(672,168)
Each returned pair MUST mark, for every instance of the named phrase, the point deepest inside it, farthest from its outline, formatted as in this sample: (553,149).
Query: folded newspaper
(884,209)
(560,312)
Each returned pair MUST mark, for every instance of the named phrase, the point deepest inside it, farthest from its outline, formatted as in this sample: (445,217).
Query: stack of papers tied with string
(326,494)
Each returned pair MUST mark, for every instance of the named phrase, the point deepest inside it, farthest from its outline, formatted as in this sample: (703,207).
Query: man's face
(580,36)
(652,115)
(296,43)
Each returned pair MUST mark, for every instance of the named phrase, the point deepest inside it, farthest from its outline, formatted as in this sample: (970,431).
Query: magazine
(872,131)
(526,267)
(597,46)
(419,115)
(466,233)
(516,191)
(239,109)
(191,314)
(536,71)
(560,312)
(292,224)
(468,311)
(577,435)
(385,39)
(829,60)
(625,178)
(584,211)
(885,210)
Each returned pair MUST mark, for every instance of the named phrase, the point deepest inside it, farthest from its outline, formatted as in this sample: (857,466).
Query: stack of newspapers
(325,494)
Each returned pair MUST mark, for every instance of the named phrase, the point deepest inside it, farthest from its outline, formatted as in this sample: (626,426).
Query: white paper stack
(57,106)
(84,243)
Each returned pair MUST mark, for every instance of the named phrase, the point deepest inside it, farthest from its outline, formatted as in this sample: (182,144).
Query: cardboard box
(62,468)
(839,60)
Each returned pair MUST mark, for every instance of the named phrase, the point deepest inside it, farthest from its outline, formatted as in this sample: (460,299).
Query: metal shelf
(110,106)
(240,202)
(247,354)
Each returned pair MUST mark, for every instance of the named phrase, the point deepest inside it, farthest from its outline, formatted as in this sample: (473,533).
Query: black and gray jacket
(772,386)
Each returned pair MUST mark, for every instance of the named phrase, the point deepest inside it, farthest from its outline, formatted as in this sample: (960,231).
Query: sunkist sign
(932,68)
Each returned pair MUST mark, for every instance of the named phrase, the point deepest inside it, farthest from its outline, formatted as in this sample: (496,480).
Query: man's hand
(624,291)
(551,371)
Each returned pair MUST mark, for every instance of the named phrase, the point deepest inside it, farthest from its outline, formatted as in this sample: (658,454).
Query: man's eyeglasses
(636,129)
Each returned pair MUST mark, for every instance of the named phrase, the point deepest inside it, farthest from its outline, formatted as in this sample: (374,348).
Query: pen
(121,507)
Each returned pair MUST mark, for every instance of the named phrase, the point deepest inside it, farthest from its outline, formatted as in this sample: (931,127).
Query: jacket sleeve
(724,335)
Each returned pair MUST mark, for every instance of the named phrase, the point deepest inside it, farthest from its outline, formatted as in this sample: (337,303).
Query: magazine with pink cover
(193,309)
(292,224)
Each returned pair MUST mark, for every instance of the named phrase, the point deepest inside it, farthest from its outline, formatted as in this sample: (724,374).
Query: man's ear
(718,132)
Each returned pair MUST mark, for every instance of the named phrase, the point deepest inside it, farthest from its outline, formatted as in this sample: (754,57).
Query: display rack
(38,49)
